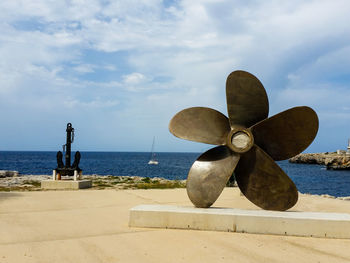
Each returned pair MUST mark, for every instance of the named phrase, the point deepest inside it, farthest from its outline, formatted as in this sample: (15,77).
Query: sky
(120,70)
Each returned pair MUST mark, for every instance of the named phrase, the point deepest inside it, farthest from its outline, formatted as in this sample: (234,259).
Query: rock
(328,196)
(332,161)
(6,173)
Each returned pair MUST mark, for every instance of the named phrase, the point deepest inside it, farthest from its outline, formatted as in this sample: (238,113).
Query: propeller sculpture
(249,144)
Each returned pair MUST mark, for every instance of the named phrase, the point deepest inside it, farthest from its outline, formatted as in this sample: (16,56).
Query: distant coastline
(332,161)
(102,182)
(313,179)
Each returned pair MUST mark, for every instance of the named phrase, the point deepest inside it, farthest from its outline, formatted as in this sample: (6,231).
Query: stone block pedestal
(310,224)
(66,184)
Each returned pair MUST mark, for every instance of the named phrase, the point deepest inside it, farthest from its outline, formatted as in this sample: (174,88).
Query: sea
(309,178)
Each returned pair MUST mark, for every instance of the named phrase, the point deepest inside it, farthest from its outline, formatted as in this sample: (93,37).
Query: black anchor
(68,169)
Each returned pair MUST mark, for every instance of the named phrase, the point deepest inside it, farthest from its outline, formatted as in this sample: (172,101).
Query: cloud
(160,57)
(84,68)
(97,103)
(110,67)
(134,78)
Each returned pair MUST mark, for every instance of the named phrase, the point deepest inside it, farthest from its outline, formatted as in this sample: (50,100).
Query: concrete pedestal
(312,224)
(66,184)
(76,177)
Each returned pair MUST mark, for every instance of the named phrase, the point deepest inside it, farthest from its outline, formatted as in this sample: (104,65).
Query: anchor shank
(69,131)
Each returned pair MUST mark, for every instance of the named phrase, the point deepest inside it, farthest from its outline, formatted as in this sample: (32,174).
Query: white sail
(153,159)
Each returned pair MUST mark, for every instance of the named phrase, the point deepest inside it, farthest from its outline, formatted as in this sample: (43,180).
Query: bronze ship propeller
(249,144)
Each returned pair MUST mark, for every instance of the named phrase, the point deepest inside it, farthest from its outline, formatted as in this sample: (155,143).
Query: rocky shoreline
(345,198)
(18,182)
(332,161)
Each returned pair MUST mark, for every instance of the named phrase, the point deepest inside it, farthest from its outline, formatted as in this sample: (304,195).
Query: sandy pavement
(92,226)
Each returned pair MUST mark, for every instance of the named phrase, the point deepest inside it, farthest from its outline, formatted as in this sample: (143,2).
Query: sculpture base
(66,184)
(311,224)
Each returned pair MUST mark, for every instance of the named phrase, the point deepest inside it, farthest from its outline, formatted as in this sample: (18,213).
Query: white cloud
(110,67)
(98,103)
(171,56)
(85,68)
(134,78)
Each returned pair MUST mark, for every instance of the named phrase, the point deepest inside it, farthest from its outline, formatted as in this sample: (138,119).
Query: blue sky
(119,70)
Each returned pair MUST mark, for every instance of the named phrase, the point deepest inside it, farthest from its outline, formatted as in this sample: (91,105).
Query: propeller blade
(209,174)
(263,182)
(247,101)
(201,125)
(286,134)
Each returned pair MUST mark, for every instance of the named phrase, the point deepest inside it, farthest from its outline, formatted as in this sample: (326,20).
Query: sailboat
(153,155)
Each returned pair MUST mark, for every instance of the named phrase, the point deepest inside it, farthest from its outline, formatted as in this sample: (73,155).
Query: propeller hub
(240,140)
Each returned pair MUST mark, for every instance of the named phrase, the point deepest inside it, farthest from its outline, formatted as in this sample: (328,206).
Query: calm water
(314,179)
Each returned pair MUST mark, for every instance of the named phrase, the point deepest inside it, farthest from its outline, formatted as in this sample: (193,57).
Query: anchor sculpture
(68,169)
(248,142)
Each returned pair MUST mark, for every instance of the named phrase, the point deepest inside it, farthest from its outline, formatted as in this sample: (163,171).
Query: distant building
(347,151)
